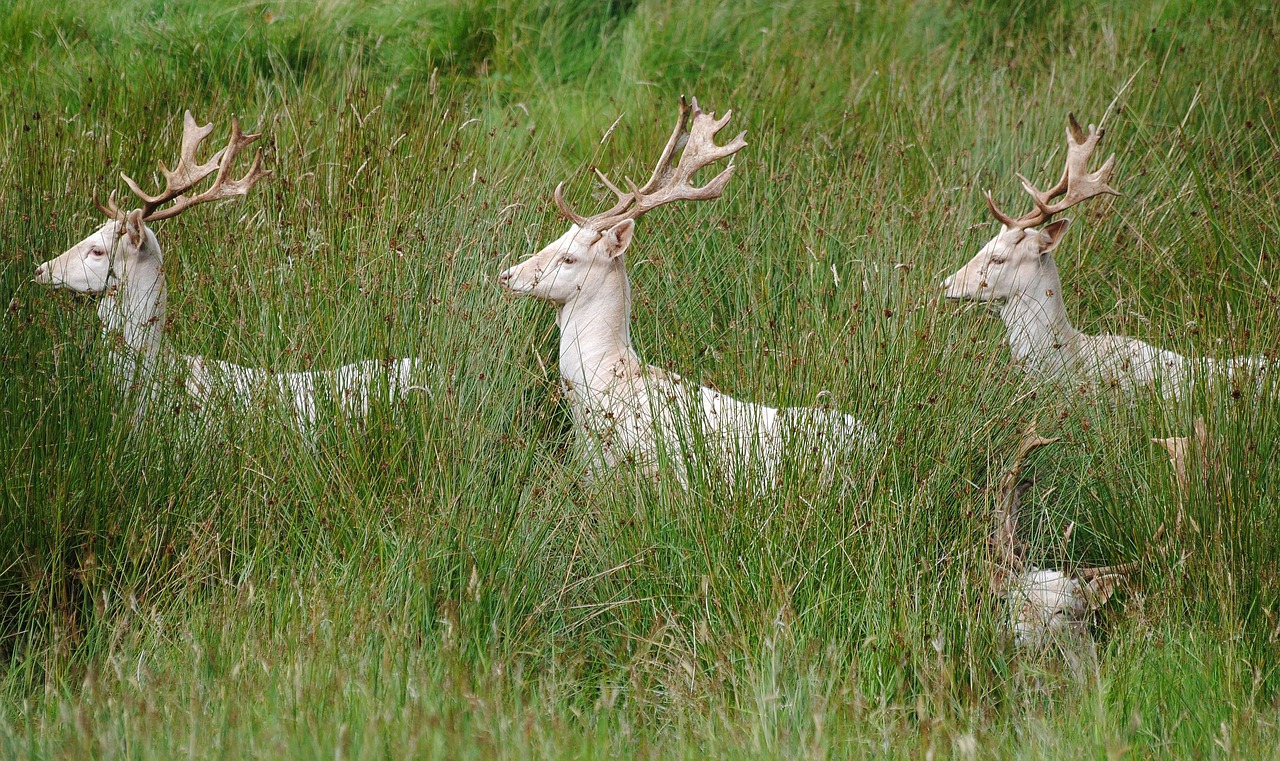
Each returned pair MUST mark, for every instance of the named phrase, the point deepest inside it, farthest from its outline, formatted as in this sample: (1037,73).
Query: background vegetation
(435,581)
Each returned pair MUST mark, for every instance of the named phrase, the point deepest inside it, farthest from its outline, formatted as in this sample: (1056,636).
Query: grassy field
(435,581)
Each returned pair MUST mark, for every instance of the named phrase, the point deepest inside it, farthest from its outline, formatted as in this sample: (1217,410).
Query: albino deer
(1016,270)
(1046,606)
(121,260)
(624,410)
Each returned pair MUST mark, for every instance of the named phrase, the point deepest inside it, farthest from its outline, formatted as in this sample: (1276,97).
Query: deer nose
(504,277)
(42,274)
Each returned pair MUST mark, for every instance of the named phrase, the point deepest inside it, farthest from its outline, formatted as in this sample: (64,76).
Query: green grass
(435,581)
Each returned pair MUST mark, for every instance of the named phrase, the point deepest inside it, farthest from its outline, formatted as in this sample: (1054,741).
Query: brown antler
(1180,447)
(1009,549)
(1076,184)
(190,172)
(1124,569)
(669,181)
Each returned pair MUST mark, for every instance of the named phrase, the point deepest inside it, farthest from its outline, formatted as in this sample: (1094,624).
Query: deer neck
(1040,333)
(133,308)
(595,331)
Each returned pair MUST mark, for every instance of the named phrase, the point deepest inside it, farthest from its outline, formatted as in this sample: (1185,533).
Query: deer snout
(952,289)
(44,276)
(948,287)
(513,279)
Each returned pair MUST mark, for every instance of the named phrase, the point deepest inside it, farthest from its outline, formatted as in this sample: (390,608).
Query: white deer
(1016,270)
(121,260)
(624,410)
(1046,607)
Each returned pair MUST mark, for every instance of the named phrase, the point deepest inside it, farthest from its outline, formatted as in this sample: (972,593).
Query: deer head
(88,266)
(125,242)
(1044,604)
(595,245)
(1010,263)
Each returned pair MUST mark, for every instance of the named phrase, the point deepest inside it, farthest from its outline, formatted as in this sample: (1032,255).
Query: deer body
(624,410)
(1042,340)
(1017,272)
(122,261)
(132,310)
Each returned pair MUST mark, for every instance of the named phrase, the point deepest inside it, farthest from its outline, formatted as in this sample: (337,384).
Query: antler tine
(1180,448)
(1000,216)
(111,210)
(624,200)
(622,197)
(222,187)
(564,207)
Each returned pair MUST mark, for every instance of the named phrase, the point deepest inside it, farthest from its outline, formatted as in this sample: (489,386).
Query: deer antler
(1009,549)
(670,181)
(1179,447)
(1123,569)
(1076,184)
(190,172)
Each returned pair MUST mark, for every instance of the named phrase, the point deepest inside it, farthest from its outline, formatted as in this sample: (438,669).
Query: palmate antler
(695,133)
(190,172)
(1008,547)
(1009,550)
(1076,184)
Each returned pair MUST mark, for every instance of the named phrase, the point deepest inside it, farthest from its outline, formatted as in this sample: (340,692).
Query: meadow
(436,581)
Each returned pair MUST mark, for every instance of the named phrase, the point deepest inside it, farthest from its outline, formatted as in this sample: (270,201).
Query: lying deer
(121,260)
(1016,270)
(1046,606)
(624,410)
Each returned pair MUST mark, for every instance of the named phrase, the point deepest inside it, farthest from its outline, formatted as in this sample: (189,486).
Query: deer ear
(133,227)
(618,237)
(1098,590)
(1051,235)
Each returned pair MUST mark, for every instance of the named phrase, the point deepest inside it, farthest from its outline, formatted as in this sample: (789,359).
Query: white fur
(1016,270)
(122,261)
(1045,605)
(626,411)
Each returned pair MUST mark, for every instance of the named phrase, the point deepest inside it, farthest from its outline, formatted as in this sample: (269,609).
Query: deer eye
(998,260)
(570,260)
(97,252)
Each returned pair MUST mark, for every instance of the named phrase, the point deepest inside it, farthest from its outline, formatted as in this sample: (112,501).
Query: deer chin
(516,291)
(954,294)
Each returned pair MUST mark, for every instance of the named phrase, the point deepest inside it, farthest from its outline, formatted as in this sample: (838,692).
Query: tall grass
(435,580)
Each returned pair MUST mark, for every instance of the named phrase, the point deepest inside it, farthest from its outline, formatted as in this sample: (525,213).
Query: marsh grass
(433,580)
